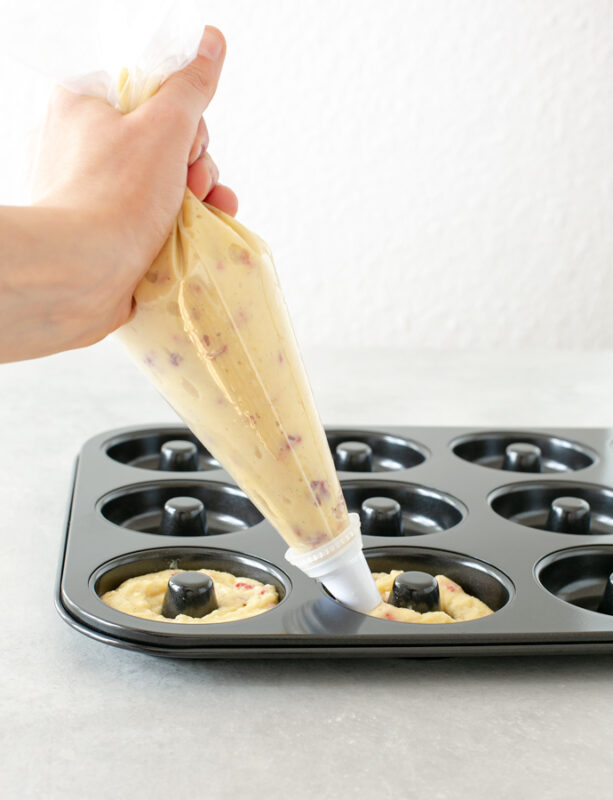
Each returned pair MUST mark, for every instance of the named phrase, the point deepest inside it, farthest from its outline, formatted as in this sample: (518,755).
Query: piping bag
(212,332)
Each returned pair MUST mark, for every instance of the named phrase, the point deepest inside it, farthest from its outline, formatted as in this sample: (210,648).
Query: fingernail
(210,44)
(213,174)
(194,154)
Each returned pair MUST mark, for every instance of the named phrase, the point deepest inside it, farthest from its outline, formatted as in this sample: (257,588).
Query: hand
(107,190)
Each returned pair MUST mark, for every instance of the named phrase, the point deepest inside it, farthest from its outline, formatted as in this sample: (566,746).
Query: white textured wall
(430,173)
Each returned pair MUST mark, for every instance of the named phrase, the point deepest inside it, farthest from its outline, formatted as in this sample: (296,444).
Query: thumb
(190,90)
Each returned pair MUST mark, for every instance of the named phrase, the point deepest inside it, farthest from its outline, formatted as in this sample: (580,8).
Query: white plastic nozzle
(341,567)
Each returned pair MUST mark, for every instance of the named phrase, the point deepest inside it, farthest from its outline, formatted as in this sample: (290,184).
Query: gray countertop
(83,720)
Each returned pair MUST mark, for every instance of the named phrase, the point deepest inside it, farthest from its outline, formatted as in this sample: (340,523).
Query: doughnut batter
(237,598)
(456,605)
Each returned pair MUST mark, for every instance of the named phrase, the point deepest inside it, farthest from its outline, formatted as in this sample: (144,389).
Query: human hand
(114,184)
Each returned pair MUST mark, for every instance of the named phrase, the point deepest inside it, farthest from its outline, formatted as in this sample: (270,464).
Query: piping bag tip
(341,567)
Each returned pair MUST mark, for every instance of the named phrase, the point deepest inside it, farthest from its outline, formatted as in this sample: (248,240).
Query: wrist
(63,283)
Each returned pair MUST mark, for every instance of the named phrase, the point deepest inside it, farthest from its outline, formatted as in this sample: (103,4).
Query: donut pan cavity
(524,452)
(537,548)
(163,506)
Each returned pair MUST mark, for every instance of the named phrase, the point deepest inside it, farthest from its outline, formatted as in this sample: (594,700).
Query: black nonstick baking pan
(522,519)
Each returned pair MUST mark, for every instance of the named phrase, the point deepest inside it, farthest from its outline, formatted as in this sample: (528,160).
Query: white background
(431,174)
(428,174)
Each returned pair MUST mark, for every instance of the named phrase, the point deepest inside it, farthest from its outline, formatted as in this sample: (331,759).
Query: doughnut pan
(523,519)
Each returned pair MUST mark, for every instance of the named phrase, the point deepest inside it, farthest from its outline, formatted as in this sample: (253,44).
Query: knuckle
(196,79)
